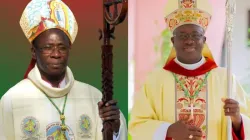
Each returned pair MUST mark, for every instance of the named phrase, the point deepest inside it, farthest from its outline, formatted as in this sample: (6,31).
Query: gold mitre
(41,15)
(181,12)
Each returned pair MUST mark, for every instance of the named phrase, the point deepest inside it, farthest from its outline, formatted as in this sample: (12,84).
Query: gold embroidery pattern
(194,110)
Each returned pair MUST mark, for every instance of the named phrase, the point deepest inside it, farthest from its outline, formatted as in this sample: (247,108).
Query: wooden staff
(111,18)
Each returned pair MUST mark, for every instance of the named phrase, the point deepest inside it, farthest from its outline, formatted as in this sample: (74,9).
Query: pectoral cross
(192,111)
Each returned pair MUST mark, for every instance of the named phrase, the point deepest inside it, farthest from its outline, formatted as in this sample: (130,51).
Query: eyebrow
(197,31)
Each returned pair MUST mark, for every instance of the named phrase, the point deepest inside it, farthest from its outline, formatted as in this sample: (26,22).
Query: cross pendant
(192,111)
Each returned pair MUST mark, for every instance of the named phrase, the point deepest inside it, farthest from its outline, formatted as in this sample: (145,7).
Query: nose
(55,53)
(189,41)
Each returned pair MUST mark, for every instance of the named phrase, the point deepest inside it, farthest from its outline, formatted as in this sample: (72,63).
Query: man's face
(188,41)
(51,50)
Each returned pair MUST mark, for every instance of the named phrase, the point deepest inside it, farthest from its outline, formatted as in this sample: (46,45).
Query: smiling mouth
(189,49)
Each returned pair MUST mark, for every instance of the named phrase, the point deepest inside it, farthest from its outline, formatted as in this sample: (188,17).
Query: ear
(33,53)
(204,39)
(172,40)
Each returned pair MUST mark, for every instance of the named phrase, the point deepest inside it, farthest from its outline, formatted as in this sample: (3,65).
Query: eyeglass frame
(190,36)
(41,49)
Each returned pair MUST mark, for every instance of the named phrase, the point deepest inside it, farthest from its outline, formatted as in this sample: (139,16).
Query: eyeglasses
(48,49)
(194,36)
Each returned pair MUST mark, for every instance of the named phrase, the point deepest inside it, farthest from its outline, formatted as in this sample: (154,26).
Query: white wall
(241,53)
(131,46)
